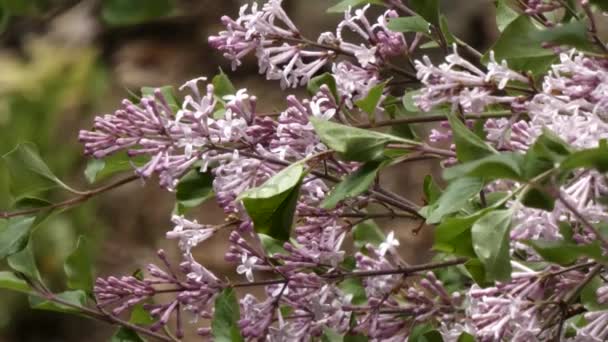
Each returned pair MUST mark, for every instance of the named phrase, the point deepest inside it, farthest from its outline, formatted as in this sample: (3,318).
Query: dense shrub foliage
(521,238)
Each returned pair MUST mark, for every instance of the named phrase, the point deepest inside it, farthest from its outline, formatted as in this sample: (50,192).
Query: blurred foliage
(45,93)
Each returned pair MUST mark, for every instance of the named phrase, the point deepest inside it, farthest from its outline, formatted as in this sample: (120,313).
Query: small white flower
(388,244)
(241,95)
(247,266)
(366,56)
(317,111)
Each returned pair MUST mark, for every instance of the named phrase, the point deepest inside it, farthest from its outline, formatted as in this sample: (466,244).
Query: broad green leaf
(222,85)
(468,145)
(596,158)
(491,243)
(520,44)
(316,82)
(25,262)
(140,316)
(601,4)
(29,175)
(367,232)
(453,235)
(129,12)
(546,153)
(413,23)
(589,295)
(428,9)
(477,272)
(432,191)
(124,334)
(424,333)
(272,246)
(168,94)
(193,189)
(344,5)
(14,234)
(454,198)
(271,205)
(78,265)
(353,185)
(408,100)
(466,337)
(354,143)
(538,198)
(224,325)
(10,281)
(566,253)
(370,102)
(100,169)
(77,297)
(504,14)
(354,287)
(330,335)
(496,166)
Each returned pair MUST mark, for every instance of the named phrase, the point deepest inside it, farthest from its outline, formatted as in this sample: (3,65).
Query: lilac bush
(520,230)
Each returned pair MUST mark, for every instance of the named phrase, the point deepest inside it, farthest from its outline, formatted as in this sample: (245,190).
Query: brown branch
(85,196)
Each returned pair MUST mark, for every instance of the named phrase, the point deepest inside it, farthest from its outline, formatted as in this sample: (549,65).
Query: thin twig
(86,195)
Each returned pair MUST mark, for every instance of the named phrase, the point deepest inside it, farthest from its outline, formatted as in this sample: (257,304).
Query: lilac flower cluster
(317,282)
(571,105)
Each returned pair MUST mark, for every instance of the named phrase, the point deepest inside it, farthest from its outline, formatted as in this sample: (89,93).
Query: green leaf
(316,82)
(596,158)
(224,325)
(140,316)
(468,145)
(491,243)
(353,185)
(408,100)
(222,85)
(100,169)
(77,297)
(454,198)
(565,253)
(344,5)
(14,234)
(129,12)
(466,337)
(329,335)
(432,191)
(354,143)
(271,206)
(125,335)
(589,295)
(424,333)
(453,235)
(520,44)
(25,262)
(370,102)
(504,14)
(29,175)
(272,246)
(413,23)
(167,92)
(77,266)
(428,9)
(536,197)
(477,272)
(367,232)
(601,4)
(354,287)
(10,281)
(497,166)
(546,153)
(193,189)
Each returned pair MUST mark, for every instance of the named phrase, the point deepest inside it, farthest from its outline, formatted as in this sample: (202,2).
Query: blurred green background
(64,61)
